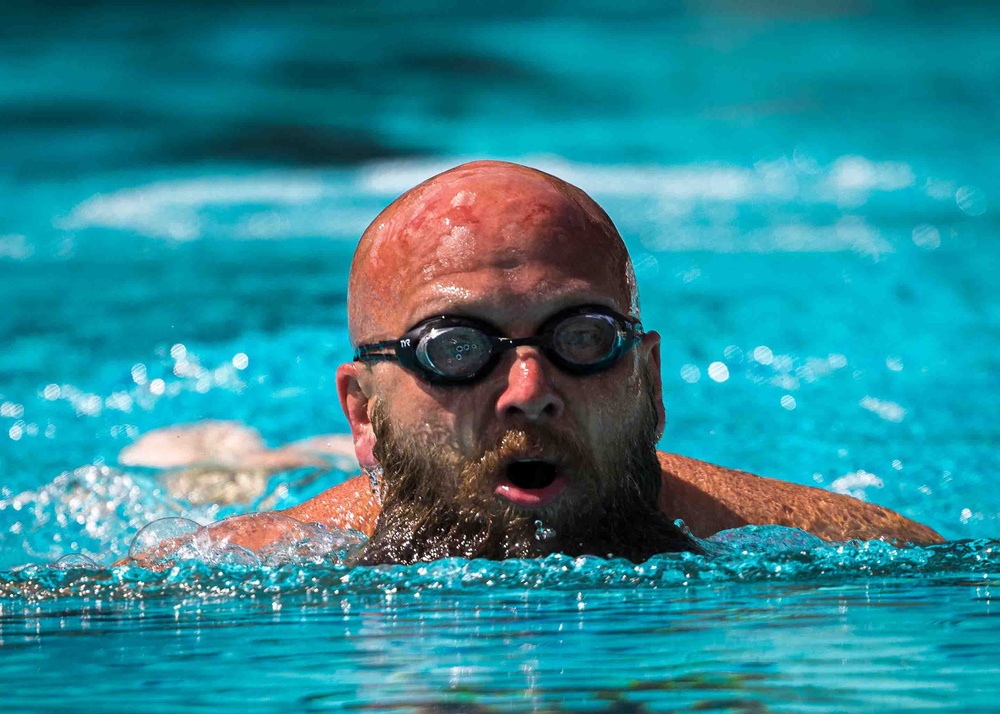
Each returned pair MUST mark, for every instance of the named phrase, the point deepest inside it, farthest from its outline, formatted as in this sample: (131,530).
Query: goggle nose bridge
(541,341)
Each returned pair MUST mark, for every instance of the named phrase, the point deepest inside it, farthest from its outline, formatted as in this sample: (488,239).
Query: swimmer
(503,387)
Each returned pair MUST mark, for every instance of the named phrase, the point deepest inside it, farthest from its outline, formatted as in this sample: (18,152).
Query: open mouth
(531,474)
(531,482)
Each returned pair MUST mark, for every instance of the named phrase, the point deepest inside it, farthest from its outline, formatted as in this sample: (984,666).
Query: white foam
(857,173)
(854,484)
(884,409)
(170,209)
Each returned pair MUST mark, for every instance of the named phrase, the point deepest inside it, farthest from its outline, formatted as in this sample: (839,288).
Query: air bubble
(75,561)
(173,538)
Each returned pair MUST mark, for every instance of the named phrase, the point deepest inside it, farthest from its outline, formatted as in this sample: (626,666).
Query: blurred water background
(810,196)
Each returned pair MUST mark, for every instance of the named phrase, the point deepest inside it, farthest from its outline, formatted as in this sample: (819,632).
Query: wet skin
(513,246)
(505,246)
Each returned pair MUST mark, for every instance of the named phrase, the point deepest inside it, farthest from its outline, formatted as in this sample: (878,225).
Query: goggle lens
(458,352)
(585,339)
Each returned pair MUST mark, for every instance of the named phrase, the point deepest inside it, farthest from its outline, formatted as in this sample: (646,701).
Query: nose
(529,394)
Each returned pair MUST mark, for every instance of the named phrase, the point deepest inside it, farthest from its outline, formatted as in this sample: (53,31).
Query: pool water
(810,199)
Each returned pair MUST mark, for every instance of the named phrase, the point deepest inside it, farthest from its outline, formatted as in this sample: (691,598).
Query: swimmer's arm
(347,505)
(711,498)
(246,531)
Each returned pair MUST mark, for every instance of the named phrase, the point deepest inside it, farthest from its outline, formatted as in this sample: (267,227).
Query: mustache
(539,443)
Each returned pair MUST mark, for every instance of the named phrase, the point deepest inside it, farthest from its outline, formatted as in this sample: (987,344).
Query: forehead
(509,250)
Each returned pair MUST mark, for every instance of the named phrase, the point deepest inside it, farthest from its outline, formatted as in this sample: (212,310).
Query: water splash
(85,511)
(320,568)
(236,541)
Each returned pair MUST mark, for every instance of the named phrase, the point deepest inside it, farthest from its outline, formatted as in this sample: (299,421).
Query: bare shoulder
(712,498)
(351,504)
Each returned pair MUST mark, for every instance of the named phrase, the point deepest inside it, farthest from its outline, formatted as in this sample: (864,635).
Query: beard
(435,504)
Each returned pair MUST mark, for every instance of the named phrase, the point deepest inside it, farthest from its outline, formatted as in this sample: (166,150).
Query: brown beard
(434,505)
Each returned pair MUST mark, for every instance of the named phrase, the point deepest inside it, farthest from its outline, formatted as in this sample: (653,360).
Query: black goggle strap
(377,352)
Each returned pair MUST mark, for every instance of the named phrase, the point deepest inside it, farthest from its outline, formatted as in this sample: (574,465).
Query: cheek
(610,399)
(432,416)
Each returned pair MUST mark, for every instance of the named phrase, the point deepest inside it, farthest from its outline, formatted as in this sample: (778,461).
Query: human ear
(354,402)
(651,352)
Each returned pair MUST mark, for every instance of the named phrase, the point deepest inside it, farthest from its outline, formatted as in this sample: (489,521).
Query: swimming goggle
(458,350)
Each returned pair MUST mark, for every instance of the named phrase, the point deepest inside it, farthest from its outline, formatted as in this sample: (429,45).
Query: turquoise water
(810,199)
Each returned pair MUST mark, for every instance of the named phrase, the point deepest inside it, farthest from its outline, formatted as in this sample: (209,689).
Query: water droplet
(690,373)
(763,354)
(971,200)
(12,410)
(926,236)
(374,478)
(718,372)
(543,533)
(837,361)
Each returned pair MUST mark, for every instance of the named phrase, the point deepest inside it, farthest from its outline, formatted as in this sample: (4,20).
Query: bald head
(484,222)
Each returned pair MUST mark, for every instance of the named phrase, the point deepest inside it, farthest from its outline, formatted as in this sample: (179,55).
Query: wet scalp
(400,237)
